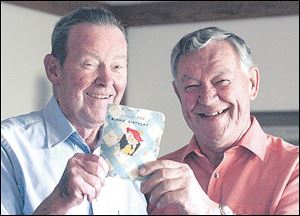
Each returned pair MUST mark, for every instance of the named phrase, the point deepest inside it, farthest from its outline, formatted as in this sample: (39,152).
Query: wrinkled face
(94,73)
(215,93)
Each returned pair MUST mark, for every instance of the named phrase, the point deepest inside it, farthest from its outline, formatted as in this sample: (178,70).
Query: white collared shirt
(35,149)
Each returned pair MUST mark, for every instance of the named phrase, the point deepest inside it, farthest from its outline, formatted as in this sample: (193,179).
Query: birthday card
(131,137)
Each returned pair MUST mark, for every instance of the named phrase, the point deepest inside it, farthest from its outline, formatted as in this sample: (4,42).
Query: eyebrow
(95,55)
(222,71)
(188,77)
(219,72)
(120,57)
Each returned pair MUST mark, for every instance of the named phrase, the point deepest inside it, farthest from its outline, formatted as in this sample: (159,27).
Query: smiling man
(230,165)
(50,162)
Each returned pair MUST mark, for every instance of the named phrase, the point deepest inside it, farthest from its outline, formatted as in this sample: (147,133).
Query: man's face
(94,73)
(215,93)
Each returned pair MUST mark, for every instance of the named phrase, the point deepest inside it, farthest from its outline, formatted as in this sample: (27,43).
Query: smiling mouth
(98,96)
(207,115)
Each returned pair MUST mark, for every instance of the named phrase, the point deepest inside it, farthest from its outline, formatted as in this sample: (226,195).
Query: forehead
(92,34)
(215,54)
(214,51)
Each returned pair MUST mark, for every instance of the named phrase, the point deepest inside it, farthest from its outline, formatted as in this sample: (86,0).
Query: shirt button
(216,175)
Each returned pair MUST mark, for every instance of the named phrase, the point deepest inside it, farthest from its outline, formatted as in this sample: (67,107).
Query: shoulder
(23,125)
(281,150)
(278,144)
(21,121)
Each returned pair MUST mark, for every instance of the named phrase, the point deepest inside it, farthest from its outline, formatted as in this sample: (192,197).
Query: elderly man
(50,161)
(230,165)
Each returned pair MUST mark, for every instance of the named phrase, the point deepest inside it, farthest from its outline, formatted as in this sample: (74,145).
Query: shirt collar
(58,128)
(254,140)
(192,147)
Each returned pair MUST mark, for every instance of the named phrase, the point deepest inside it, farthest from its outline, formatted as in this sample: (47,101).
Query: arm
(289,202)
(11,199)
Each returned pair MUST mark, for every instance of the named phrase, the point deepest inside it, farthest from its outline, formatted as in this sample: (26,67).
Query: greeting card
(131,137)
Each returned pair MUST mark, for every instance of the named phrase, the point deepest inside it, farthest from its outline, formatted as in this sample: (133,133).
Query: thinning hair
(97,16)
(200,38)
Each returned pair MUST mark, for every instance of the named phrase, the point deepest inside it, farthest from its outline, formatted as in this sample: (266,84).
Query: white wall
(25,40)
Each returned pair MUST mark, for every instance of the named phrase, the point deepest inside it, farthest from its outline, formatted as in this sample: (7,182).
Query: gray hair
(97,16)
(200,38)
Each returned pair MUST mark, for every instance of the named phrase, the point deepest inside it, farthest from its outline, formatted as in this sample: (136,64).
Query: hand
(175,183)
(83,176)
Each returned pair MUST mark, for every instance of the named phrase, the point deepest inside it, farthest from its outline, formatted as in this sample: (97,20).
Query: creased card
(131,137)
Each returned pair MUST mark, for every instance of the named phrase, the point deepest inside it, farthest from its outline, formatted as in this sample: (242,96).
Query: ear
(52,67)
(254,82)
(176,90)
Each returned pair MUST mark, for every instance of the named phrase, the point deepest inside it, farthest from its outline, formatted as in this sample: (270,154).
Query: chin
(98,115)
(212,134)
(99,121)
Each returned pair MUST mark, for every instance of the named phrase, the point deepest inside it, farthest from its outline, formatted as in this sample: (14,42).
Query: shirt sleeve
(289,202)
(11,200)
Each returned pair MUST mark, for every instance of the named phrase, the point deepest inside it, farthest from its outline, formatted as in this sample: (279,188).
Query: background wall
(25,40)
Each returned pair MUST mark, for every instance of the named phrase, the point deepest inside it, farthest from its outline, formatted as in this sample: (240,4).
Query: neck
(214,150)
(90,136)
(215,156)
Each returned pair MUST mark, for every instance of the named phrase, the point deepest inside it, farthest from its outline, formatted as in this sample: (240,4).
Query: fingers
(158,177)
(165,189)
(161,171)
(93,166)
(84,175)
(153,166)
(171,197)
(94,169)
(170,183)
(92,163)
(88,190)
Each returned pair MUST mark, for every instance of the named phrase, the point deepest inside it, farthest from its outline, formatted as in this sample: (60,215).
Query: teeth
(98,96)
(212,114)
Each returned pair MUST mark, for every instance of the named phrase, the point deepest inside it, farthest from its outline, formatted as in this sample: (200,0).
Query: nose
(104,76)
(207,96)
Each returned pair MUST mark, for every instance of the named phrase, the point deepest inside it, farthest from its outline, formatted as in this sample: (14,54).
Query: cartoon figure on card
(130,141)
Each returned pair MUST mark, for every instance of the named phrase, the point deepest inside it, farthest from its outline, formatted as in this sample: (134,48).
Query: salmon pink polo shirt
(259,175)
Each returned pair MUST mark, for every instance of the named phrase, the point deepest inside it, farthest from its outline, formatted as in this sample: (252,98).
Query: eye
(190,88)
(117,68)
(89,64)
(222,82)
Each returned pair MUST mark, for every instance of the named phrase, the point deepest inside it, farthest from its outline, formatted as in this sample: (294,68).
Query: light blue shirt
(35,149)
